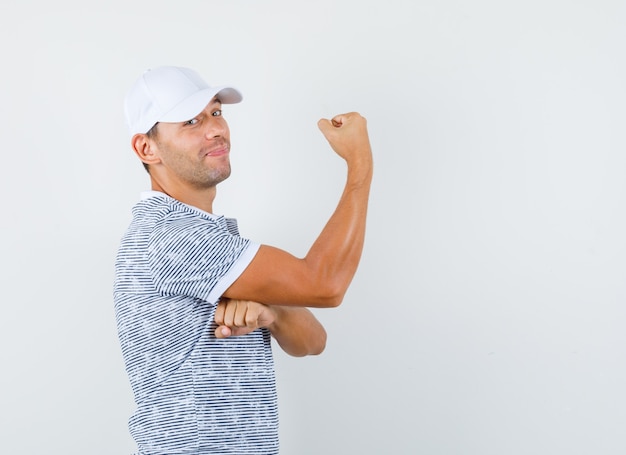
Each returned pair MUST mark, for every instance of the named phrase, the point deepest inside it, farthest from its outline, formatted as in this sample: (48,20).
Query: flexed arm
(322,277)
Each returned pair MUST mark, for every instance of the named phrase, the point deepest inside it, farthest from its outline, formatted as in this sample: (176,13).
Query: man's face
(196,152)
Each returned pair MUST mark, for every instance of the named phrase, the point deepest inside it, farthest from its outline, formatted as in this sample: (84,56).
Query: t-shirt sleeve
(197,258)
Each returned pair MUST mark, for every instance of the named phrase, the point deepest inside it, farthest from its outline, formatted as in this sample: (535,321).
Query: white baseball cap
(170,94)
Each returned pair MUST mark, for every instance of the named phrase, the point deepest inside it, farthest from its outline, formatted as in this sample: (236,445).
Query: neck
(199,198)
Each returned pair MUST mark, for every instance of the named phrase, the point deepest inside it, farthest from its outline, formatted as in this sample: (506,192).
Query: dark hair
(152,134)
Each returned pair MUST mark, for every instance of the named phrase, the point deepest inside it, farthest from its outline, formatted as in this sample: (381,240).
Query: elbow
(331,296)
(320,344)
(330,302)
(317,351)
(315,346)
(324,283)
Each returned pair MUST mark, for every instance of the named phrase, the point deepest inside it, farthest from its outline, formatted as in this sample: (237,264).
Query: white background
(487,316)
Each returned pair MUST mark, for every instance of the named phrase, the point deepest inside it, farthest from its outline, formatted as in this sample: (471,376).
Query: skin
(187,161)
(295,329)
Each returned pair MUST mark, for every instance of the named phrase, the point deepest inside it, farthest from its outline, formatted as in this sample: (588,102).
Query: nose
(216,127)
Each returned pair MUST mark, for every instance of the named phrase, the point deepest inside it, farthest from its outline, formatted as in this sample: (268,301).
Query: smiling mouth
(222,149)
(218,152)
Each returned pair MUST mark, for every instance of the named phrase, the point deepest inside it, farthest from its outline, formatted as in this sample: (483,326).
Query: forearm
(336,253)
(297,331)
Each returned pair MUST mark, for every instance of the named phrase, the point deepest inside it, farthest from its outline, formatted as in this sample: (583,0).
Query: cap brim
(193,105)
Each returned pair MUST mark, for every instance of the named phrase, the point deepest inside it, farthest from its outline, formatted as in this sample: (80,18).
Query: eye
(193,121)
(217,113)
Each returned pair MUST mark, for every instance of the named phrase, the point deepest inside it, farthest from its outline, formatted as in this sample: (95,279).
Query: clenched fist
(347,135)
(240,317)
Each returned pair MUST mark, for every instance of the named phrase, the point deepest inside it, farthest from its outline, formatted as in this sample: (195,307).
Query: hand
(347,135)
(240,317)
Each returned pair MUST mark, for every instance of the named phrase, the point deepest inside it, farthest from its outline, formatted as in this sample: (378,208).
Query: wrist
(276,313)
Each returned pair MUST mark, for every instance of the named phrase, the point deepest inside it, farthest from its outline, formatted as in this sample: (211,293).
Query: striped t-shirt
(195,394)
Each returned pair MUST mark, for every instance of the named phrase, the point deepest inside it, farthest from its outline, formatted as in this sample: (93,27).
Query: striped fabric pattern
(195,394)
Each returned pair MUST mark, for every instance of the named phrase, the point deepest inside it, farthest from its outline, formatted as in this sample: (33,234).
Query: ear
(144,148)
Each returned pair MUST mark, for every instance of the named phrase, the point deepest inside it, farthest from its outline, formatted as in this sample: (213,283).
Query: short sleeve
(197,257)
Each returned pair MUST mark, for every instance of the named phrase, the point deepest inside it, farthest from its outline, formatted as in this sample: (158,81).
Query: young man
(196,303)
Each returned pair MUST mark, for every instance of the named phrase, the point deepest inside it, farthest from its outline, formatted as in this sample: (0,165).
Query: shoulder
(166,213)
